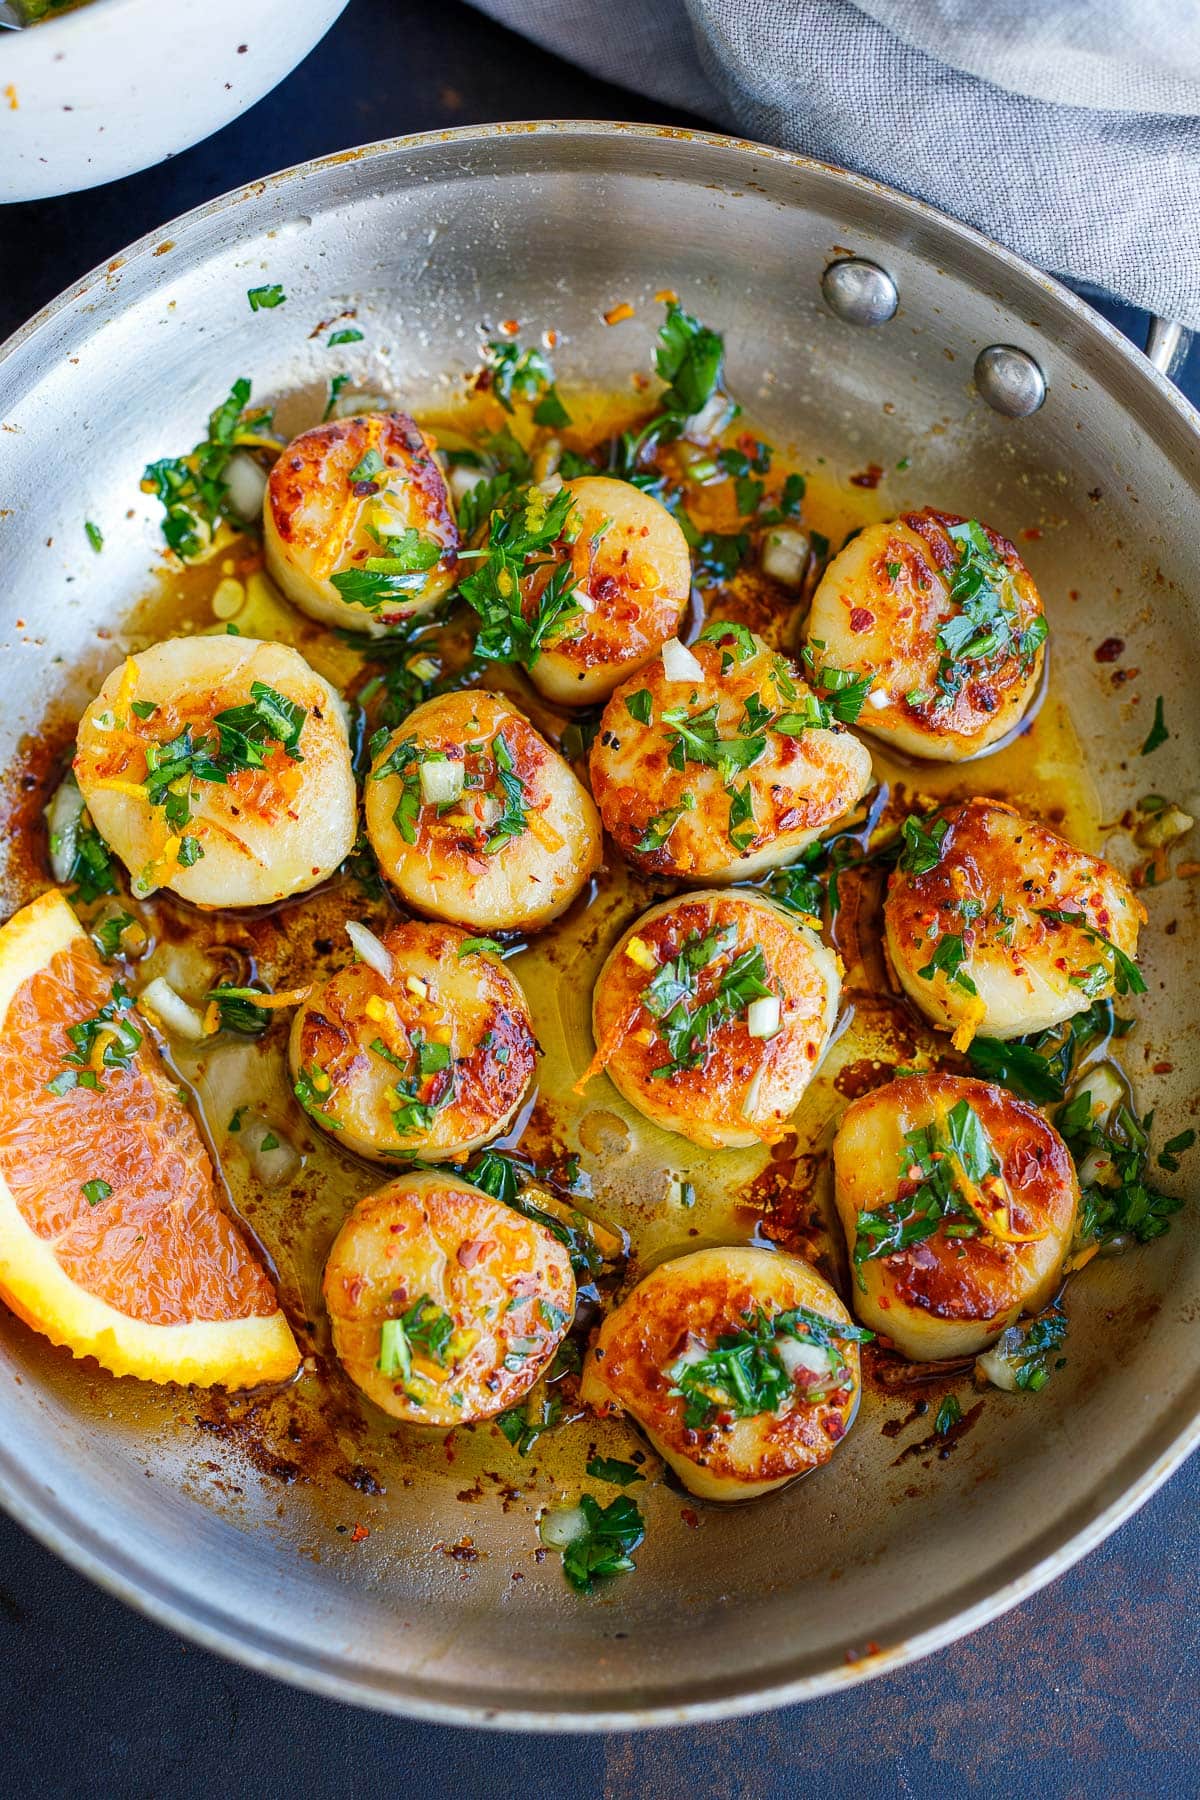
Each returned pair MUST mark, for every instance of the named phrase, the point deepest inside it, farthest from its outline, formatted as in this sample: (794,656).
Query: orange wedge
(112,1239)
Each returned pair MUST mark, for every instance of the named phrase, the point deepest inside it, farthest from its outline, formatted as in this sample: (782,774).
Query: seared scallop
(711,1014)
(997,925)
(631,572)
(219,767)
(943,617)
(958,1203)
(741,1366)
(716,762)
(426,1050)
(357,523)
(446,1305)
(474,818)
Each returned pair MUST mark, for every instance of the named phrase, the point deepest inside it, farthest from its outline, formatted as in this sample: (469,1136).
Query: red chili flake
(870,477)
(1109,650)
(510,326)
(1163,1068)
(861,618)
(359,1535)
(1031,533)
(690,1518)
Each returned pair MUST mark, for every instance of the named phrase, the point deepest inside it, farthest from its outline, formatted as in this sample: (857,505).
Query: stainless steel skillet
(556,224)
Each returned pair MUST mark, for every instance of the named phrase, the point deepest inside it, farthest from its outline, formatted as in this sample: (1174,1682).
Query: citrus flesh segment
(113,1241)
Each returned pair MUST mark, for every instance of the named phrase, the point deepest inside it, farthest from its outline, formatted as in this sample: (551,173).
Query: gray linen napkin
(1068,129)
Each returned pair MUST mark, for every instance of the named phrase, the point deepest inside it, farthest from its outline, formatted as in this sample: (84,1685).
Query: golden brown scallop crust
(630,560)
(978,1278)
(996,875)
(745,1088)
(878,611)
(313,514)
(455,864)
(505,1281)
(801,785)
(363,1034)
(695,1300)
(263,833)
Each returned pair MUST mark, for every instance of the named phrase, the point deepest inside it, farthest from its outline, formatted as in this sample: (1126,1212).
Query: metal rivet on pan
(1009,380)
(859,292)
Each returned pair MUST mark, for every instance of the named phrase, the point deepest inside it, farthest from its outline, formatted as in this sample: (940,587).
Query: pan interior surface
(444,1609)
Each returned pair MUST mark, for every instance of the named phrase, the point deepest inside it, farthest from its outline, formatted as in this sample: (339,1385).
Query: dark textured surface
(1088,1689)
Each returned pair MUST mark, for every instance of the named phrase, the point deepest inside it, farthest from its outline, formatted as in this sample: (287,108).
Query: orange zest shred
(286,997)
(544,832)
(979,1204)
(607,1048)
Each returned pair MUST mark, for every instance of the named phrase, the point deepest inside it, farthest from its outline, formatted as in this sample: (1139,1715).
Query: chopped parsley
(108,1031)
(1120,969)
(923,839)
(264,299)
(523,529)
(663,824)
(841,692)
(948,959)
(685,1027)
(95,536)
(640,706)
(1158,733)
(314,1090)
(395,577)
(474,945)
(336,385)
(1122,1204)
(237,1009)
(93,872)
(349,334)
(95,1191)
(1028,1349)
(108,933)
(744,1375)
(425,1327)
(606,1544)
(930,1197)
(611,1469)
(1168,1156)
(690,358)
(480,502)
(527,375)
(985,628)
(511,822)
(949,1414)
(240,741)
(192,488)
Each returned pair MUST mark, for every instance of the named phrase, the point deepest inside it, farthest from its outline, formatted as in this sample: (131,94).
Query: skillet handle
(1167,345)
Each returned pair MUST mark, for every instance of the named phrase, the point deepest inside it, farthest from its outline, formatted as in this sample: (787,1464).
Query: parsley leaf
(263,299)
(605,1546)
(922,843)
(522,526)
(609,1468)
(1158,733)
(929,1198)
(948,959)
(1122,970)
(949,1413)
(192,489)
